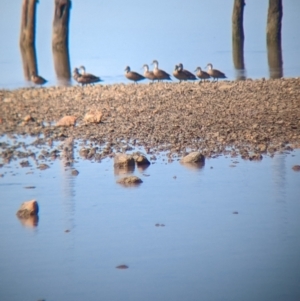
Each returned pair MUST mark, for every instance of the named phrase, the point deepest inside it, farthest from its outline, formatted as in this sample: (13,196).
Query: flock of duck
(84,78)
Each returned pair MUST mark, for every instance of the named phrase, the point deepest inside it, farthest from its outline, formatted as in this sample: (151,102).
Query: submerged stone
(130,180)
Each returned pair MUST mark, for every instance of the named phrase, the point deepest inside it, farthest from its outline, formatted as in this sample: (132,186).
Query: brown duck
(149,74)
(83,80)
(160,74)
(177,73)
(88,77)
(202,74)
(214,73)
(189,75)
(134,76)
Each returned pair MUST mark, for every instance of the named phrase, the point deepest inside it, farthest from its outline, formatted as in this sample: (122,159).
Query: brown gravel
(245,118)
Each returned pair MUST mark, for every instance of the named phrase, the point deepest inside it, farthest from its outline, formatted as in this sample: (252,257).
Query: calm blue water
(204,252)
(106,37)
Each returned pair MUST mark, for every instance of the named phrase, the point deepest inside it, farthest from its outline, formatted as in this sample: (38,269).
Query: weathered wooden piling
(238,38)
(60,40)
(27,38)
(275,13)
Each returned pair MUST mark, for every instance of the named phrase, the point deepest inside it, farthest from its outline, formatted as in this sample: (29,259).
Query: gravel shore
(241,118)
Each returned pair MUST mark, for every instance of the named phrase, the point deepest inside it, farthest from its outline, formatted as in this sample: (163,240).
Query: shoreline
(240,118)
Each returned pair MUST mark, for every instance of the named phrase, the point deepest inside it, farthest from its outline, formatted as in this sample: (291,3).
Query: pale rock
(193,157)
(123,160)
(93,117)
(27,209)
(67,121)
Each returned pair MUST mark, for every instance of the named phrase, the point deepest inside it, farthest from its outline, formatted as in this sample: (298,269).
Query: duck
(177,73)
(148,74)
(160,74)
(202,74)
(38,80)
(88,77)
(134,76)
(83,80)
(189,75)
(214,73)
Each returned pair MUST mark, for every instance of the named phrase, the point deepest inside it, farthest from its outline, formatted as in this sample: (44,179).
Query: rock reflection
(194,166)
(118,170)
(29,222)
(142,167)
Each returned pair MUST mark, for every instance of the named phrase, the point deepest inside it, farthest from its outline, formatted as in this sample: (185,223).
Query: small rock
(75,172)
(141,159)
(43,166)
(262,148)
(130,180)
(123,160)
(93,117)
(296,167)
(235,212)
(122,267)
(255,157)
(193,157)
(27,209)
(27,118)
(67,121)
(24,164)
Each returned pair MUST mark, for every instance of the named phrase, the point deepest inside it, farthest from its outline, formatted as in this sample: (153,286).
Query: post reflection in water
(60,41)
(238,60)
(275,59)
(68,183)
(279,182)
(27,38)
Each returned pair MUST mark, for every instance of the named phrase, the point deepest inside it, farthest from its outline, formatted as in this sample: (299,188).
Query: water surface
(203,252)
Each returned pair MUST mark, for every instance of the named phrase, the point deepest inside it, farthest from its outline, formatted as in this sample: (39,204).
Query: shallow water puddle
(230,231)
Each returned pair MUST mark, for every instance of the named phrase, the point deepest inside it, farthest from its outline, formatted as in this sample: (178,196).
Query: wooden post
(27,38)
(275,13)
(238,38)
(60,40)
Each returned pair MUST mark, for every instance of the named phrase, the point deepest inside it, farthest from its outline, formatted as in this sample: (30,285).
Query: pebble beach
(248,118)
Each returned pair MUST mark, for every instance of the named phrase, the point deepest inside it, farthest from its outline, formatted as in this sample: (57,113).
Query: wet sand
(241,118)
